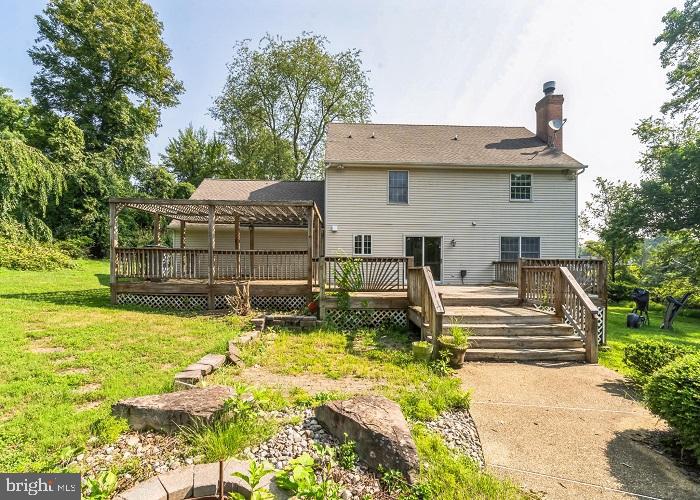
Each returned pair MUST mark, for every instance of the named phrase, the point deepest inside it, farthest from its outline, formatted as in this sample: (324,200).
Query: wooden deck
(259,288)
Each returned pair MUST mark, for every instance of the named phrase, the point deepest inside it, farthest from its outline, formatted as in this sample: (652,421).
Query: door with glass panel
(426,251)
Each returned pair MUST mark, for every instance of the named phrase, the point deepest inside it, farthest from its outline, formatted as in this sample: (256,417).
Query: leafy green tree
(615,216)
(192,156)
(157,182)
(279,98)
(104,64)
(681,56)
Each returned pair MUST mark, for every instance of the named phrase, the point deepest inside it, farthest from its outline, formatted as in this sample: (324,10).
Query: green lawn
(686,330)
(66,355)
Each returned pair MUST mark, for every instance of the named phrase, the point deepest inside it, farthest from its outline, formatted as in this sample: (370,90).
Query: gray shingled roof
(435,145)
(252,190)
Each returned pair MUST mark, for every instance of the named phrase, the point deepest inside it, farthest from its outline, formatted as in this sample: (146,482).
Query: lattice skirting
(278,303)
(349,319)
(199,302)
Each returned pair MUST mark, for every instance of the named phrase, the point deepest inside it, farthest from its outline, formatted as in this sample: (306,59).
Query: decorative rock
(206,479)
(234,353)
(258,323)
(247,337)
(378,428)
(190,377)
(459,430)
(216,361)
(151,489)
(166,412)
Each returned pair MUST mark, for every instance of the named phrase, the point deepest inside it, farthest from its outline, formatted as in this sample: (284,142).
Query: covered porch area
(202,276)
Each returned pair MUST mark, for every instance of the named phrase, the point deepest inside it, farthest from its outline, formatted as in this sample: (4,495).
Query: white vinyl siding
(469,206)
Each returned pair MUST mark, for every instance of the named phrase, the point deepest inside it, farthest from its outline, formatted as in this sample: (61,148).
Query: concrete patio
(569,430)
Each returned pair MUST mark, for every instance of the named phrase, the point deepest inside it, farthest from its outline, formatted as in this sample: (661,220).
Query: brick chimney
(549,108)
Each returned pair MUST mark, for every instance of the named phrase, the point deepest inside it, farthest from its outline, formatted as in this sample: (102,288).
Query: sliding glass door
(426,251)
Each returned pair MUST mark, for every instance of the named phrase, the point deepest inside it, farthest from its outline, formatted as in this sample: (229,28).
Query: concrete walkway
(568,430)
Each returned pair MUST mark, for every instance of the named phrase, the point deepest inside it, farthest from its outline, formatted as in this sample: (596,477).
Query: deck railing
(591,274)
(506,272)
(193,263)
(556,288)
(363,274)
(422,292)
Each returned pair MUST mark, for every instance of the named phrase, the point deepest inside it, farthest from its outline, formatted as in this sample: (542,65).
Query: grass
(66,355)
(686,331)
(382,356)
(454,476)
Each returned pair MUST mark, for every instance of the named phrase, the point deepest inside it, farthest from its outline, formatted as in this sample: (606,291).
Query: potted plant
(422,350)
(456,343)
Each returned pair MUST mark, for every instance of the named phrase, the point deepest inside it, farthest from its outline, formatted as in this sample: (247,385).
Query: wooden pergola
(285,214)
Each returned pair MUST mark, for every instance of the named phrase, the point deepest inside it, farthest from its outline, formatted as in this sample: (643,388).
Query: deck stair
(513,333)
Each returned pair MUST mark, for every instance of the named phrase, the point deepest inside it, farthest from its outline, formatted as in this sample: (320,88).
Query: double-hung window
(398,186)
(362,244)
(527,247)
(520,187)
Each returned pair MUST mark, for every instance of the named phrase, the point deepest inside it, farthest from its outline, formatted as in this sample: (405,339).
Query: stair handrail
(574,305)
(422,292)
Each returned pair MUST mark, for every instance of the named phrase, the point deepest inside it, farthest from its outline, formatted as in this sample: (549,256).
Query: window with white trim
(362,244)
(520,187)
(398,186)
(527,247)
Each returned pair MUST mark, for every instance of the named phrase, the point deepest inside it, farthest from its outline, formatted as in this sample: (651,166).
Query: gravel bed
(139,455)
(294,440)
(459,431)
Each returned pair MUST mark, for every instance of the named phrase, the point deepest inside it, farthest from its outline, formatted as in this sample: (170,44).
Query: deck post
(156,229)
(251,244)
(321,287)
(558,293)
(521,281)
(310,234)
(237,244)
(113,243)
(183,244)
(212,245)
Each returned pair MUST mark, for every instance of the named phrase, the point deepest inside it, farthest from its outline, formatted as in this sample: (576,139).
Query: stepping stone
(190,377)
(179,483)
(379,430)
(204,369)
(216,361)
(234,353)
(167,412)
(151,489)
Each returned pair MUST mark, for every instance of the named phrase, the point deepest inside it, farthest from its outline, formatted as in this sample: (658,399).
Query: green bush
(647,356)
(620,290)
(673,393)
(31,256)
(75,248)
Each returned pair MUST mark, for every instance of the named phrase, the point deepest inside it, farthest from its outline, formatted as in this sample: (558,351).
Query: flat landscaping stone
(191,377)
(179,483)
(234,353)
(214,360)
(151,489)
(248,337)
(167,412)
(206,479)
(205,369)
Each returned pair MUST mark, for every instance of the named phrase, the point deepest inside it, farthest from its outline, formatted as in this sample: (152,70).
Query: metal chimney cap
(549,87)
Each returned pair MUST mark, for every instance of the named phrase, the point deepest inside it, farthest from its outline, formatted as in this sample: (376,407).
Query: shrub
(673,393)
(75,248)
(31,256)
(619,291)
(647,356)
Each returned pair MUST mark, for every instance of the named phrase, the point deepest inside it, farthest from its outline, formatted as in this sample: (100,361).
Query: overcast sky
(470,62)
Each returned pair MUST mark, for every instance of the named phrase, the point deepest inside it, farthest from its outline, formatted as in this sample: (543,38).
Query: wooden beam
(310,245)
(251,245)
(113,243)
(212,246)
(183,234)
(237,244)
(156,229)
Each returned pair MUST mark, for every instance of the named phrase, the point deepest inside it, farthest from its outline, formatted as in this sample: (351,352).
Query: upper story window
(527,247)
(362,244)
(398,186)
(520,187)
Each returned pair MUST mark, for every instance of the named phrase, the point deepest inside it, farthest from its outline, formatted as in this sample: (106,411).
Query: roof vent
(454,138)
(350,136)
(548,87)
(373,135)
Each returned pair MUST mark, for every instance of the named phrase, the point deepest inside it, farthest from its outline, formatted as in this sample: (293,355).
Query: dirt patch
(74,371)
(84,389)
(90,405)
(60,361)
(311,383)
(40,347)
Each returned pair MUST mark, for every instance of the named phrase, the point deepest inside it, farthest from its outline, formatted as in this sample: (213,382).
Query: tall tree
(192,156)
(278,99)
(615,216)
(681,56)
(104,64)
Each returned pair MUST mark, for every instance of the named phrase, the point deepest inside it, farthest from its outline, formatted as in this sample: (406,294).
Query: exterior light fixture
(453,243)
